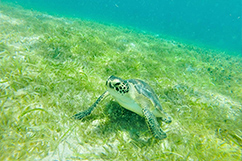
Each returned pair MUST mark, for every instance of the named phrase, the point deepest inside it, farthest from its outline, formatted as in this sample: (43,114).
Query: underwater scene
(56,63)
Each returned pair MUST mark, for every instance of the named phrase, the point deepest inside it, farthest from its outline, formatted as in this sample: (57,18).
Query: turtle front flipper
(88,111)
(83,114)
(154,125)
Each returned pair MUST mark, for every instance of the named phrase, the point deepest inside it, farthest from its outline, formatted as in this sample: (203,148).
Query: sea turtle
(137,96)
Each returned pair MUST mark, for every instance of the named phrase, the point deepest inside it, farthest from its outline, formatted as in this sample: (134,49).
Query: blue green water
(213,23)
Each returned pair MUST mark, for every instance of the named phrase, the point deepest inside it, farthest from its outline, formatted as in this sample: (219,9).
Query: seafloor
(53,67)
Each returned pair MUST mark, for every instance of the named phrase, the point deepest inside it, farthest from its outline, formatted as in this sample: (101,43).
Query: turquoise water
(52,67)
(213,23)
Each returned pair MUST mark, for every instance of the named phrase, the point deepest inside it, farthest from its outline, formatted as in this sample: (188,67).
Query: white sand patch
(74,147)
(30,40)
(6,19)
(227,103)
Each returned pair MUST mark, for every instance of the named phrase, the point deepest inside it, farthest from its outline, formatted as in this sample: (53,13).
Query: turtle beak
(109,83)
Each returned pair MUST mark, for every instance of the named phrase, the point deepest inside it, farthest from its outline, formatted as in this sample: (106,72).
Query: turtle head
(117,85)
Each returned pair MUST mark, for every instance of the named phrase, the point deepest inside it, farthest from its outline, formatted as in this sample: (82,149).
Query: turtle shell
(144,89)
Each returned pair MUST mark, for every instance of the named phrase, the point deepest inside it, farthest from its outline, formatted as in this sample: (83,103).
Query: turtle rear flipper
(88,111)
(154,125)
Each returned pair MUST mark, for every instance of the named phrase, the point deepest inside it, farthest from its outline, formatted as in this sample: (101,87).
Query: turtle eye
(117,84)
